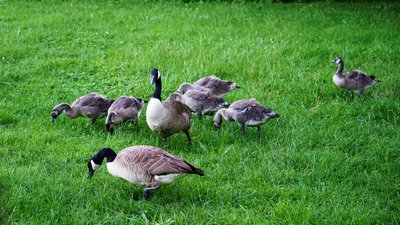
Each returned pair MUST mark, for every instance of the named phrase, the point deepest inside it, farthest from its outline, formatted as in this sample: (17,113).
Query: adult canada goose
(203,103)
(91,106)
(212,84)
(124,109)
(353,81)
(166,117)
(143,165)
(246,112)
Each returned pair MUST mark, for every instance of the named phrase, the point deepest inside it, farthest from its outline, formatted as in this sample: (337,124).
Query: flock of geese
(152,166)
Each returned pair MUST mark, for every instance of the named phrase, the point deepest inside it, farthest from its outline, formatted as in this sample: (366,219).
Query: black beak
(109,128)
(276,116)
(238,87)
(334,61)
(91,172)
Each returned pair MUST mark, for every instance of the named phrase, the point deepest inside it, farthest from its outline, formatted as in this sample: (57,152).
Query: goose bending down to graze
(143,165)
(246,112)
(166,117)
(203,103)
(91,106)
(124,109)
(353,81)
(211,84)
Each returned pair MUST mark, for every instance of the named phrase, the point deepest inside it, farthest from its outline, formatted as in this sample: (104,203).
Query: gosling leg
(146,192)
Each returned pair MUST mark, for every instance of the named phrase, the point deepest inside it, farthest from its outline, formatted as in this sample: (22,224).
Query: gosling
(212,84)
(202,103)
(124,109)
(353,81)
(92,106)
(246,112)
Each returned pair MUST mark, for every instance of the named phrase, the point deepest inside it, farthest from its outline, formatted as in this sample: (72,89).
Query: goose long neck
(340,68)
(157,90)
(106,153)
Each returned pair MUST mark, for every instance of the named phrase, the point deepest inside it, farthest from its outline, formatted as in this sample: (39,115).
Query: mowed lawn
(327,160)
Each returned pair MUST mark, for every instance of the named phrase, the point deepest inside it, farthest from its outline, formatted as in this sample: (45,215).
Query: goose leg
(259,131)
(242,126)
(93,120)
(188,136)
(146,192)
(351,95)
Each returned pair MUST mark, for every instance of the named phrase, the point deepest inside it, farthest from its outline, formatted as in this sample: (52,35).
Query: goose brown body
(91,106)
(166,117)
(211,84)
(143,165)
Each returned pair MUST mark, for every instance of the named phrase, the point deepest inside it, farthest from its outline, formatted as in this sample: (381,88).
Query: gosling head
(175,96)
(271,114)
(184,88)
(337,60)
(154,75)
(55,113)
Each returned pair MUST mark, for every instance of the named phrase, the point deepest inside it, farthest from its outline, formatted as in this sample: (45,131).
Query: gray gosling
(143,165)
(202,103)
(353,81)
(124,109)
(166,117)
(92,106)
(211,84)
(246,112)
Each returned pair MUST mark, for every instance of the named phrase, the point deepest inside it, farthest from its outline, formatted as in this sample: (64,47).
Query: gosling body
(353,81)
(92,106)
(124,109)
(211,84)
(246,112)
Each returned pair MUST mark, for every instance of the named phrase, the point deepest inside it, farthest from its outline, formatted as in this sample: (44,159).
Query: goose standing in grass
(124,109)
(212,84)
(143,165)
(353,81)
(91,106)
(166,117)
(246,112)
(203,103)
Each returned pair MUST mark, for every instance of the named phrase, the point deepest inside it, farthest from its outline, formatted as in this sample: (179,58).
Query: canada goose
(246,112)
(166,117)
(143,165)
(212,84)
(203,103)
(124,109)
(91,106)
(353,81)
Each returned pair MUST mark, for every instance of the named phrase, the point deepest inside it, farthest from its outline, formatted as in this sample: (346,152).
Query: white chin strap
(159,74)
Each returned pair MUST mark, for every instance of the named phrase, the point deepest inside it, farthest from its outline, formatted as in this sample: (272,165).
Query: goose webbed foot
(146,192)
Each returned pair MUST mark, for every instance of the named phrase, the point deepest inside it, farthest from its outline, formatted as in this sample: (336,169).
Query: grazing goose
(203,103)
(166,117)
(124,109)
(353,81)
(91,106)
(246,112)
(212,84)
(143,165)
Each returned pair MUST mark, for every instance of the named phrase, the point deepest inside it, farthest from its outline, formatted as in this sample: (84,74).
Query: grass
(327,160)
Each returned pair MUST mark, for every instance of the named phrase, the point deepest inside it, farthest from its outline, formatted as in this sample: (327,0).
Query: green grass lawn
(327,160)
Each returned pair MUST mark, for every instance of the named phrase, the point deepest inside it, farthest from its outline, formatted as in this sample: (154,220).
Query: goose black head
(337,60)
(154,75)
(96,160)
